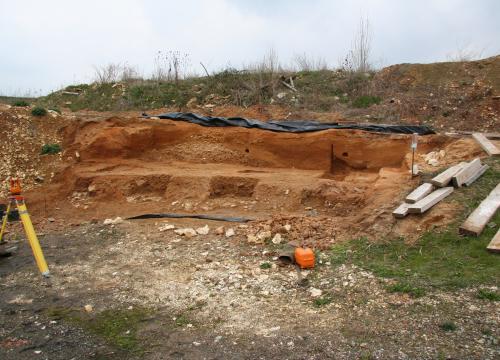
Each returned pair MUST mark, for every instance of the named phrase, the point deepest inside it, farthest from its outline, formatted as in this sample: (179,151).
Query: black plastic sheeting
(296,126)
(192,216)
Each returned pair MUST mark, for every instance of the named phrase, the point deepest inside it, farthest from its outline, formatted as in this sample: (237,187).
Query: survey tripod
(17,200)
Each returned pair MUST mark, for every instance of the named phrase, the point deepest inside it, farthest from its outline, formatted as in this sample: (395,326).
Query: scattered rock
(88,308)
(166,227)
(230,232)
(276,239)
(51,219)
(117,220)
(219,230)
(192,102)
(20,300)
(315,292)
(264,235)
(203,230)
(252,239)
(433,162)
(187,232)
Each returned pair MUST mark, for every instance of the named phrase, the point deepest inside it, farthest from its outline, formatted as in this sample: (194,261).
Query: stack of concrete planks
(445,177)
(469,173)
(464,173)
(426,195)
(421,199)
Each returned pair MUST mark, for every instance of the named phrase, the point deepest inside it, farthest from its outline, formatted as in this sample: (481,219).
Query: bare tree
(358,58)
(170,66)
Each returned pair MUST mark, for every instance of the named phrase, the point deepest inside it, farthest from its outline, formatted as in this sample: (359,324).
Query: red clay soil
(329,185)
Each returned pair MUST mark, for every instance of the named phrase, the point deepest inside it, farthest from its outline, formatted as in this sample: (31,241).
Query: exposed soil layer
(123,166)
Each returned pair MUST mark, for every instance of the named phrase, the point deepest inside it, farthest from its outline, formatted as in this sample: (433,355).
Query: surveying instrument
(17,200)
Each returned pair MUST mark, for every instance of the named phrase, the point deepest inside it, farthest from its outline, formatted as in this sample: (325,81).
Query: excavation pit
(129,166)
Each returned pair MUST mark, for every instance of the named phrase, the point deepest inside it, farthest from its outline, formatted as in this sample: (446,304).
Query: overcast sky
(47,44)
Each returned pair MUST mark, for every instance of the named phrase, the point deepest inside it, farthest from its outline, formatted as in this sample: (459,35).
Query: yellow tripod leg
(33,239)
(4,222)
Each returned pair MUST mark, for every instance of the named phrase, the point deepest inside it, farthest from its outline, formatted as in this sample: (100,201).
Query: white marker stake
(414,142)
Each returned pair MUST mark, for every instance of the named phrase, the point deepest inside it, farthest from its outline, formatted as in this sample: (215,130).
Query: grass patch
(448,326)
(182,320)
(441,258)
(413,291)
(488,295)
(366,101)
(321,301)
(50,149)
(21,103)
(265,265)
(38,111)
(117,326)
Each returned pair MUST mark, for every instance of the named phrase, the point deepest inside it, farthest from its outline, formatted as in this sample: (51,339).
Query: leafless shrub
(266,76)
(465,53)
(114,72)
(129,73)
(306,63)
(170,66)
(107,74)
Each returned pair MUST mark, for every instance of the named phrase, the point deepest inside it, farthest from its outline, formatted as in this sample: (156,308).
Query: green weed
(265,265)
(38,111)
(366,101)
(181,320)
(488,295)
(50,149)
(448,326)
(414,292)
(117,326)
(324,300)
(20,103)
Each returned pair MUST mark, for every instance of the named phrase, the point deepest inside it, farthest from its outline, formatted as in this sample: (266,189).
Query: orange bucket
(304,257)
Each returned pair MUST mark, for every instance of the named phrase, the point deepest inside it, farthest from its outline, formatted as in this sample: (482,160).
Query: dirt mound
(451,95)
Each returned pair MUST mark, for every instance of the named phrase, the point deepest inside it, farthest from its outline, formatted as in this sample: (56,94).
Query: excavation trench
(129,166)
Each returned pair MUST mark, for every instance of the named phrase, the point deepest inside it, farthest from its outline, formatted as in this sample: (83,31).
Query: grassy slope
(440,258)
(319,90)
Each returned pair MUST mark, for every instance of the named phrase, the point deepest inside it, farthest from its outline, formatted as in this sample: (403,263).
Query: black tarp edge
(298,126)
(192,216)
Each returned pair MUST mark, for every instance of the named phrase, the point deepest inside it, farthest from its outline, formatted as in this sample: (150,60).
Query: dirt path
(155,295)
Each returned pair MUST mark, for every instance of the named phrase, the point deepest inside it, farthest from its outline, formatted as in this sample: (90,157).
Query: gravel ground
(213,297)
